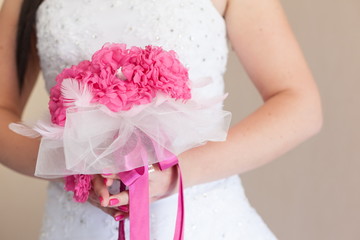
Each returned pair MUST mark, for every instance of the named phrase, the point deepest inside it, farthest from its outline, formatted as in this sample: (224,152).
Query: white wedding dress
(69,31)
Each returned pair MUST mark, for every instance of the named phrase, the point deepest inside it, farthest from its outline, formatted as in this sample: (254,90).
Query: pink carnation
(158,69)
(120,78)
(79,184)
(145,71)
(81,72)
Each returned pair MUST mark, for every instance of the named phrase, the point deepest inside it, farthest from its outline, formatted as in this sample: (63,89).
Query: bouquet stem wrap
(121,234)
(138,185)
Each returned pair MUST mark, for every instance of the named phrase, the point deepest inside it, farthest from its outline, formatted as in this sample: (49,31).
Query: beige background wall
(311,193)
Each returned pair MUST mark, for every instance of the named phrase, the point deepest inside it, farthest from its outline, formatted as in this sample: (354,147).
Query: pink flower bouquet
(118,113)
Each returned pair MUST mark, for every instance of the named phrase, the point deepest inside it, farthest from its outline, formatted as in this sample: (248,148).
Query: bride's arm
(264,43)
(16,152)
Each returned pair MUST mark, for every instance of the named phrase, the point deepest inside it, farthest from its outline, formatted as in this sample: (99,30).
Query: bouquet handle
(121,223)
(137,181)
(179,227)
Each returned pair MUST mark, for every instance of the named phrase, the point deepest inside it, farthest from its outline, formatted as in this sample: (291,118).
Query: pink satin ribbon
(179,226)
(137,181)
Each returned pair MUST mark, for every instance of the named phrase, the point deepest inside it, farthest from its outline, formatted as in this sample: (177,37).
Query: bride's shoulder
(220,6)
(7,4)
(10,10)
(9,92)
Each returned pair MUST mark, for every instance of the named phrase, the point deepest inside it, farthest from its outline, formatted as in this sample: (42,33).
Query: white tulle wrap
(96,140)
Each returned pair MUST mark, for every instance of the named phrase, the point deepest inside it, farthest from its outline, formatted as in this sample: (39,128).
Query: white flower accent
(120,74)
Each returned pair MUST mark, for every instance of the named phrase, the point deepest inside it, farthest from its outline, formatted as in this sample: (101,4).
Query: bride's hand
(99,189)
(161,184)
(117,213)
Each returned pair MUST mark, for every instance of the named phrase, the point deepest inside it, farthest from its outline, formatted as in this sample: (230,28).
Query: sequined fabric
(69,31)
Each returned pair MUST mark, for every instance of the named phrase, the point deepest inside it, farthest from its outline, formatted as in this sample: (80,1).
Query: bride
(50,35)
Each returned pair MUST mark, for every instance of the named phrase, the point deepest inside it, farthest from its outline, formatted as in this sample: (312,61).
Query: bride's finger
(120,216)
(101,190)
(108,181)
(124,208)
(110,176)
(119,199)
(117,214)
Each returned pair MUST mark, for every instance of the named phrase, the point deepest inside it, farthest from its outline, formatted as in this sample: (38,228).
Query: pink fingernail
(119,218)
(107,174)
(123,208)
(105,180)
(101,199)
(114,201)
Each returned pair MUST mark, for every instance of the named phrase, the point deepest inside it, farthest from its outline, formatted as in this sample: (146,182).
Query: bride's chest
(149,19)
(69,31)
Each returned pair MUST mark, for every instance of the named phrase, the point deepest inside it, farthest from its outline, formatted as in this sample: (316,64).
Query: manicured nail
(101,199)
(123,208)
(114,201)
(105,180)
(107,174)
(119,218)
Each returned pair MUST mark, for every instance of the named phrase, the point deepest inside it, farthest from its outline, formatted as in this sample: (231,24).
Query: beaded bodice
(70,31)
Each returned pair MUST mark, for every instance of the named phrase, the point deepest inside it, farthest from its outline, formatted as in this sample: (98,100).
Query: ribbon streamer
(137,181)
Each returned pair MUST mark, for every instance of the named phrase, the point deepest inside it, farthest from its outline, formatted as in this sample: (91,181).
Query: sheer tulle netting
(70,31)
